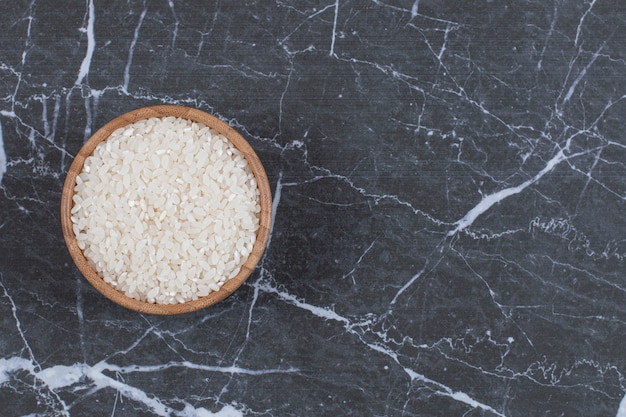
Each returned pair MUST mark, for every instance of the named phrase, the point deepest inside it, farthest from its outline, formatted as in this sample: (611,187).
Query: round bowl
(265,216)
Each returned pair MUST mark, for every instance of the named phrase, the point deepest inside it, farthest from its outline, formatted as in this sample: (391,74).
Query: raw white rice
(166,210)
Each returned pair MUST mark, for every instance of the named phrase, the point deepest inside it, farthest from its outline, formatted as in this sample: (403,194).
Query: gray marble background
(449,191)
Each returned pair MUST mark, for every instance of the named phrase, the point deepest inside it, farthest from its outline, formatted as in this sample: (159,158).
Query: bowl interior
(265,216)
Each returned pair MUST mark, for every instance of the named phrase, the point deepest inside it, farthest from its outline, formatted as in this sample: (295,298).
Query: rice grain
(166,210)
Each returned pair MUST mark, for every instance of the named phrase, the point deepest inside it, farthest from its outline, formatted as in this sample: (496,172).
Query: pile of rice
(166,210)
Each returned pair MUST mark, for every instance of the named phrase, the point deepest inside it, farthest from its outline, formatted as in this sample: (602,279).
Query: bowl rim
(195,115)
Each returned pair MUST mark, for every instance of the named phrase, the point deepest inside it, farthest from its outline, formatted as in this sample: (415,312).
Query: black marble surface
(449,192)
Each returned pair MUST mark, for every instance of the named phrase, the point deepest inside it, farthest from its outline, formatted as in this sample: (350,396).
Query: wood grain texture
(264,221)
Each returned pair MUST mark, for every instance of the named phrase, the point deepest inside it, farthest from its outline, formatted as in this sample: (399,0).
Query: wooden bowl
(264,221)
